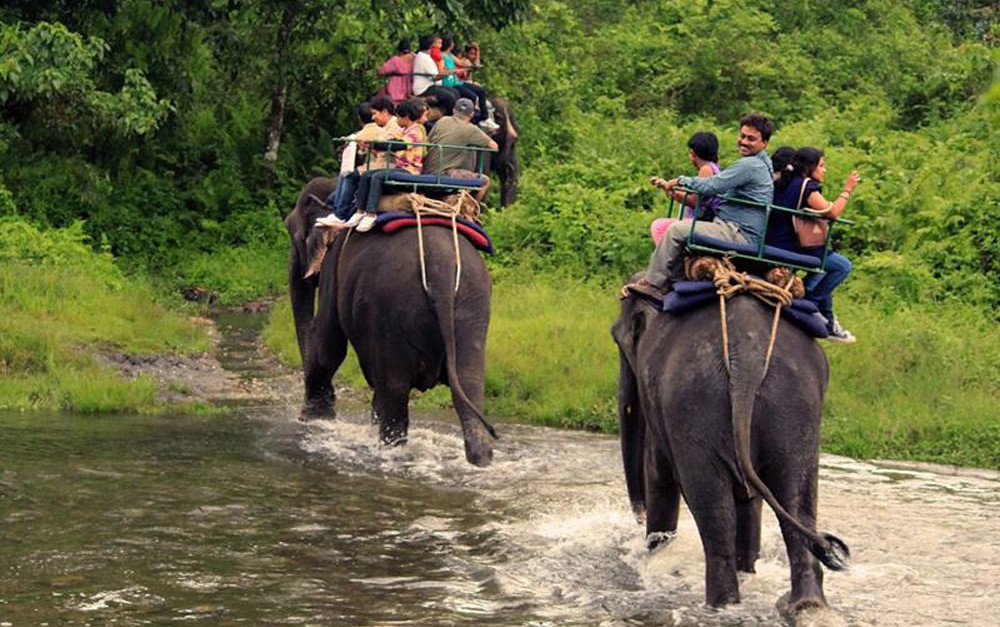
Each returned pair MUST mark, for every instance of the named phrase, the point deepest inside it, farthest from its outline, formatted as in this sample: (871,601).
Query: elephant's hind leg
(714,509)
(747,534)
(391,410)
(662,494)
(797,497)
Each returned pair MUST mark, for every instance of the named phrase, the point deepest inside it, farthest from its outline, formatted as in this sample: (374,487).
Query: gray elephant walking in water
(725,440)
(371,295)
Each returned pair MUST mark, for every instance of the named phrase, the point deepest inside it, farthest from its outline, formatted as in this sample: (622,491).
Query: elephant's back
(686,365)
(381,291)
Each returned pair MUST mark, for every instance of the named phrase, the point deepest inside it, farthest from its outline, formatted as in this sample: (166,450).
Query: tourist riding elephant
(724,441)
(504,161)
(371,295)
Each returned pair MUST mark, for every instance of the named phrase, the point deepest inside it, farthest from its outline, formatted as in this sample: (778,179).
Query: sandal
(644,288)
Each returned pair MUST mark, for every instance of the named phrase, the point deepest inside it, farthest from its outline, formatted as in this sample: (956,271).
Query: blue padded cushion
(811,323)
(399,177)
(676,302)
(689,295)
(688,287)
(770,252)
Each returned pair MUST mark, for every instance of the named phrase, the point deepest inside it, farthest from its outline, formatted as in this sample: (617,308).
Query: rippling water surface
(255,518)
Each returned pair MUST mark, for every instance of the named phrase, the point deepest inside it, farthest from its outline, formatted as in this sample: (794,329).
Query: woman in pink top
(399,69)
(703,150)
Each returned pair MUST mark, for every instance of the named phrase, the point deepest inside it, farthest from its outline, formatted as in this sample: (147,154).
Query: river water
(254,518)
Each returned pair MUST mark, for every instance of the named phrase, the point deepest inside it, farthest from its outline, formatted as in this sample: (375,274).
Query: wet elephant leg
(714,509)
(747,534)
(326,350)
(471,367)
(391,410)
(798,498)
(663,496)
(303,295)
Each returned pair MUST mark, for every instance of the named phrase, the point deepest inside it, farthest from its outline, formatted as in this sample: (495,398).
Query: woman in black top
(801,188)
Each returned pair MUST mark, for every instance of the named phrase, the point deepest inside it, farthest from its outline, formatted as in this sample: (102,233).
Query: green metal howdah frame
(768,209)
(394,145)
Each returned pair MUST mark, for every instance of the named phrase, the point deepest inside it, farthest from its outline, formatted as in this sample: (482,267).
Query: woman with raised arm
(802,188)
(473,92)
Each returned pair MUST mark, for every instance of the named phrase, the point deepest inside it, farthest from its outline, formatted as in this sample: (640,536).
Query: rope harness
(728,282)
(424,206)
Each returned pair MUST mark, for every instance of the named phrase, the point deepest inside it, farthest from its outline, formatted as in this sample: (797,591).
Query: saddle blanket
(393,221)
(687,295)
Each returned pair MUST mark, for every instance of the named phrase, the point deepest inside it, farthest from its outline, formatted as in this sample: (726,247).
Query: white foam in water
(133,595)
(925,546)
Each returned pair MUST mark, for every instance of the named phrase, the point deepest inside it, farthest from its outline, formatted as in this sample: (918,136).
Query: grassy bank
(922,382)
(60,303)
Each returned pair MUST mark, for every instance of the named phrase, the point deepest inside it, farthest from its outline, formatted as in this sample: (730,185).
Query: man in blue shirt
(751,178)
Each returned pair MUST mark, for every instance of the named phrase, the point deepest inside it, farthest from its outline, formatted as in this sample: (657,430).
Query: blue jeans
(343,196)
(476,94)
(819,287)
(370,190)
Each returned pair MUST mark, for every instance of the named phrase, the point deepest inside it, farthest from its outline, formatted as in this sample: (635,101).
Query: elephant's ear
(627,330)
(316,247)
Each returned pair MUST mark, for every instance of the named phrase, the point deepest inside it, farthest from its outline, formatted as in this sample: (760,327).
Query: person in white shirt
(427,79)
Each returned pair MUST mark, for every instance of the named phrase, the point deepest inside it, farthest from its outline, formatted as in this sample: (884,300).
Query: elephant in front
(371,294)
(725,439)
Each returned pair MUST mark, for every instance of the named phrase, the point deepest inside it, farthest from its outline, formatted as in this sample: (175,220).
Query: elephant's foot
(657,539)
(745,563)
(479,453)
(319,406)
(807,611)
(390,440)
(639,511)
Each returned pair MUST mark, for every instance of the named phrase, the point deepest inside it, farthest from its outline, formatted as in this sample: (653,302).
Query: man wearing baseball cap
(458,130)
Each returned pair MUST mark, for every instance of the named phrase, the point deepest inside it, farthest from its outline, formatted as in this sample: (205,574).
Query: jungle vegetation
(172,137)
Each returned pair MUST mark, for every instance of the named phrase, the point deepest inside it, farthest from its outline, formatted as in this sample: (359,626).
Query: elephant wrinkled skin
(371,295)
(689,428)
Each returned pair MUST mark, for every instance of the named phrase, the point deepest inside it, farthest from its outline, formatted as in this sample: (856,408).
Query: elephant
(371,295)
(725,440)
(505,162)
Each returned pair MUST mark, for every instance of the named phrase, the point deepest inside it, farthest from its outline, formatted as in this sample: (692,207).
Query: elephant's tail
(443,301)
(746,377)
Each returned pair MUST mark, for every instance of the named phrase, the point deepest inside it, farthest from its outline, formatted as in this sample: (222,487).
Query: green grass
(237,274)
(922,383)
(59,304)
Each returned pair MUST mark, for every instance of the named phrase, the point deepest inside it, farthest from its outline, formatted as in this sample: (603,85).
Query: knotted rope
(729,281)
(422,206)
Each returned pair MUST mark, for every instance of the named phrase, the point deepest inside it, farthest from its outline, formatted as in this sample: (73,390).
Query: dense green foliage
(155,124)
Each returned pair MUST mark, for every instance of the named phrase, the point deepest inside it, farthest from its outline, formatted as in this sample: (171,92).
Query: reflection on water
(258,519)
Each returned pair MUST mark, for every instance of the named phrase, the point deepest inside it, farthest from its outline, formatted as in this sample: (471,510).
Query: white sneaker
(330,221)
(354,219)
(366,223)
(489,126)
